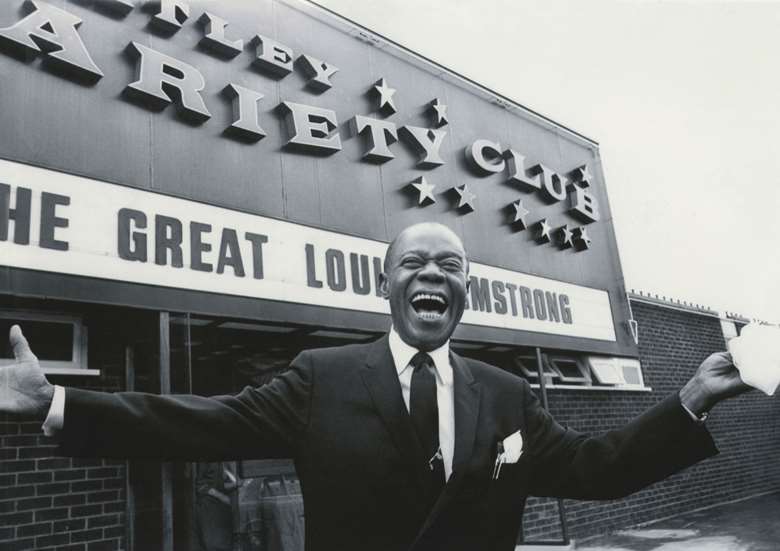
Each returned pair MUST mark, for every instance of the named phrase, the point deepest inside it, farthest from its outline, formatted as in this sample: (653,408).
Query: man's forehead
(429,239)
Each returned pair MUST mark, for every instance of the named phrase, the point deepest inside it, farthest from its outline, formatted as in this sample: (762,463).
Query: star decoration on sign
(565,237)
(466,201)
(440,112)
(424,190)
(581,175)
(543,231)
(386,105)
(518,219)
(581,239)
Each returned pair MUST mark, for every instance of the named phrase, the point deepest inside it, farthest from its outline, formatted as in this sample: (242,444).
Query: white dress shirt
(445,394)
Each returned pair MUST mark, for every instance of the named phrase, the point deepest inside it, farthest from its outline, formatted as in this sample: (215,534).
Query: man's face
(426,284)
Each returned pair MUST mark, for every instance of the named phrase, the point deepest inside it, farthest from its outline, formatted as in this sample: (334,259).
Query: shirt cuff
(55,419)
(693,416)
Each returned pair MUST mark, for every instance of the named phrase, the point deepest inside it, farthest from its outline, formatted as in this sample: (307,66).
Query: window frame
(79,363)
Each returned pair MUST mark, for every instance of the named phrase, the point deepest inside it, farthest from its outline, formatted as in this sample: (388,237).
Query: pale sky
(683,98)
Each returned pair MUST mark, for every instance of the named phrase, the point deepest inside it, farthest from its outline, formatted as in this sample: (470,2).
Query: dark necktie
(424,411)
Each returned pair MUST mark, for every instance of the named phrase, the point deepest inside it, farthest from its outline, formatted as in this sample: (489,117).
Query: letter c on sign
(485,157)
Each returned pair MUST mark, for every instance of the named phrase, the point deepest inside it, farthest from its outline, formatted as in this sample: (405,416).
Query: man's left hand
(716,379)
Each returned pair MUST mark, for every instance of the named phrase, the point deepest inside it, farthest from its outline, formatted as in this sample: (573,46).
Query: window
(570,370)
(59,341)
(617,372)
(528,366)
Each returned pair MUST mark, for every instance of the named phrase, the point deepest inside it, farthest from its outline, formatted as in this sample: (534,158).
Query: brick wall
(672,343)
(50,502)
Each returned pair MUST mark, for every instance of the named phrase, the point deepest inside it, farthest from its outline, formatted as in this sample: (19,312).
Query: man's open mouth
(429,306)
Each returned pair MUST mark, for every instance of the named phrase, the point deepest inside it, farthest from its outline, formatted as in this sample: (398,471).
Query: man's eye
(411,263)
(451,266)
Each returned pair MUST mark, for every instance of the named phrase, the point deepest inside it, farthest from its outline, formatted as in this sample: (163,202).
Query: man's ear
(384,286)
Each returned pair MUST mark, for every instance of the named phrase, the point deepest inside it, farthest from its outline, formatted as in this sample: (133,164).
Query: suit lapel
(467,394)
(381,380)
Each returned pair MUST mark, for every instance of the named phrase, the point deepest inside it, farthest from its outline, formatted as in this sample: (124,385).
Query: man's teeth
(430,315)
(425,296)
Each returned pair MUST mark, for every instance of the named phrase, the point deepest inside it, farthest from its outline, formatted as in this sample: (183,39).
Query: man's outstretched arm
(660,442)
(259,422)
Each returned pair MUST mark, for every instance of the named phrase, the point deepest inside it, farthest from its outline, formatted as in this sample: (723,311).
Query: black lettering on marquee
(311,268)
(539,307)
(361,278)
(198,247)
(511,288)
(50,221)
(552,306)
(162,80)
(230,253)
(480,294)
(498,296)
(125,234)
(335,270)
(167,236)
(257,240)
(377,270)
(20,214)
(54,32)
(526,302)
(565,309)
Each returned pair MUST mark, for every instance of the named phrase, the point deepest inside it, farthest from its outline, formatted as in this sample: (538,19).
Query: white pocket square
(513,448)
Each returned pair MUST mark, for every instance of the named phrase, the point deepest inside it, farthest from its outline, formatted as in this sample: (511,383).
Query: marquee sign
(270,149)
(60,223)
(162,80)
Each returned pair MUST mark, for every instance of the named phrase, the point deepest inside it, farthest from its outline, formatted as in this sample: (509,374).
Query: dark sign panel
(269,150)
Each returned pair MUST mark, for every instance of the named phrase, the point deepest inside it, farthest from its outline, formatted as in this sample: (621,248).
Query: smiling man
(396,442)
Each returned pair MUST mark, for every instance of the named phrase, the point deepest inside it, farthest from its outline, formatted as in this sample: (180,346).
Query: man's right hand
(24,389)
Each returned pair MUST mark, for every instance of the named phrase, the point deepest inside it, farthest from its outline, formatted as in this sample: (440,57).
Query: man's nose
(431,271)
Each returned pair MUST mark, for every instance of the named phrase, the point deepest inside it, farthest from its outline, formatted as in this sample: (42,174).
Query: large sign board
(68,224)
(282,111)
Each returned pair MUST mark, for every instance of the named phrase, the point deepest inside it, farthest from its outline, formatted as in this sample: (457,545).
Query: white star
(566,236)
(581,239)
(582,175)
(520,213)
(385,96)
(441,112)
(544,231)
(466,197)
(425,190)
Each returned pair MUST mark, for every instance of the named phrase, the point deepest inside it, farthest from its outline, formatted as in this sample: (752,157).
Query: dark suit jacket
(340,414)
